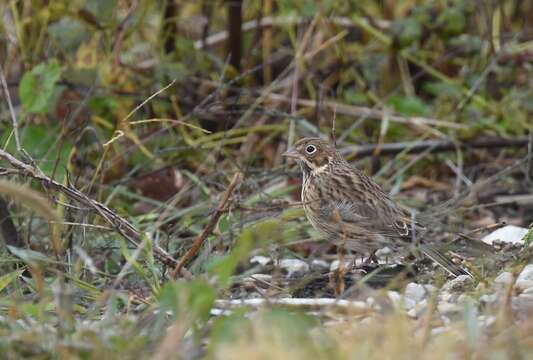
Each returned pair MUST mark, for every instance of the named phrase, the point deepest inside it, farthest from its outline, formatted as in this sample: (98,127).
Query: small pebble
(408,304)
(438,330)
(448,308)
(384,252)
(335,265)
(261,260)
(507,234)
(525,279)
(489,299)
(394,297)
(415,292)
(463,299)
(528,291)
(523,304)
(319,265)
(459,284)
(447,297)
(294,266)
(487,320)
(412,313)
(505,278)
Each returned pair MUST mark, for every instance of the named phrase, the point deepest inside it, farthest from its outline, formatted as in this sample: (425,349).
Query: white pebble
(438,330)
(448,308)
(528,291)
(459,284)
(384,252)
(261,260)
(415,292)
(335,265)
(394,297)
(505,278)
(525,279)
(318,264)
(508,234)
(412,313)
(293,266)
(489,299)
(527,273)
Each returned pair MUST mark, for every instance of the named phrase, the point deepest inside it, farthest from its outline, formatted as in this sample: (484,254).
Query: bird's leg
(341,271)
(341,250)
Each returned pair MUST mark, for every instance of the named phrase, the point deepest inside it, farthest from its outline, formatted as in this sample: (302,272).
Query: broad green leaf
(103,10)
(451,21)
(406,31)
(29,256)
(408,105)
(68,33)
(38,87)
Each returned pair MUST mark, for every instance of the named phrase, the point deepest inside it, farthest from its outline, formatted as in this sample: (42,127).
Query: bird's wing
(342,210)
(360,214)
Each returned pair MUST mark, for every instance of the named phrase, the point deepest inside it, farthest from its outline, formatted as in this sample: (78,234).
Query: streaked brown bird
(351,209)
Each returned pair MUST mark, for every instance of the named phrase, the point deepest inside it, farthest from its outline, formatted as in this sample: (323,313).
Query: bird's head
(312,154)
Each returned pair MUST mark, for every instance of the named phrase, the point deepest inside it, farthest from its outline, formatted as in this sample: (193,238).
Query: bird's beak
(291,153)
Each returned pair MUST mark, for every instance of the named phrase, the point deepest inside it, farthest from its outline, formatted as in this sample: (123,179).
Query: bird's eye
(310,149)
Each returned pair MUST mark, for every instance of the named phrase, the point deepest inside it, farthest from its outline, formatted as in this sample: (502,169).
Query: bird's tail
(437,256)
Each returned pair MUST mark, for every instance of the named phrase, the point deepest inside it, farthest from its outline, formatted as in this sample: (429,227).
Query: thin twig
(370,113)
(121,226)
(270,21)
(414,147)
(333,128)
(200,239)
(11,110)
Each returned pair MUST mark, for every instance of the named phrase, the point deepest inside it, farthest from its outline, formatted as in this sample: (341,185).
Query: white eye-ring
(310,149)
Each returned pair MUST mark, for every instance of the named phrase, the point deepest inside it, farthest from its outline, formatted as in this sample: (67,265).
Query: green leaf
(355,97)
(194,298)
(223,267)
(451,21)
(101,9)
(68,33)
(528,237)
(8,278)
(41,142)
(38,87)
(224,224)
(406,31)
(408,105)
(443,89)
(29,256)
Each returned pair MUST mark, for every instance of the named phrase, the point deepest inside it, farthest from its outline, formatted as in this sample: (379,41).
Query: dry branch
(362,111)
(122,226)
(200,239)
(435,146)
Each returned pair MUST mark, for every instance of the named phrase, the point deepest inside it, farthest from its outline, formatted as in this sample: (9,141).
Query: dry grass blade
(36,202)
(122,226)
(197,244)
(360,111)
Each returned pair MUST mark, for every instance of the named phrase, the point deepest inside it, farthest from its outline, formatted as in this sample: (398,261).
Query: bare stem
(200,239)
